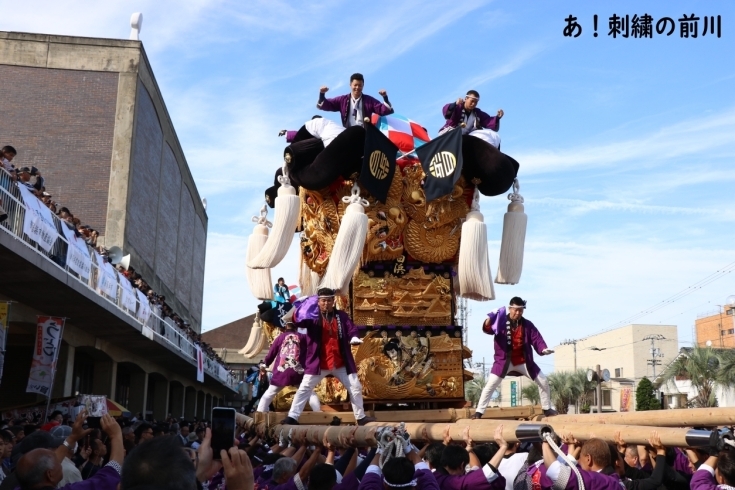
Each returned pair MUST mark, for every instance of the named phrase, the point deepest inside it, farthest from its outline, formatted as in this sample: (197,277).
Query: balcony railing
(155,327)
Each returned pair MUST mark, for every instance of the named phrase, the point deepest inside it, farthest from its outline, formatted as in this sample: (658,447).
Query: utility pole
(574,343)
(655,352)
(599,389)
(462,317)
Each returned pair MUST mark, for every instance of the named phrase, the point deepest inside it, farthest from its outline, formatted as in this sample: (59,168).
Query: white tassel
(348,246)
(514,237)
(256,334)
(473,270)
(259,280)
(284,226)
(308,280)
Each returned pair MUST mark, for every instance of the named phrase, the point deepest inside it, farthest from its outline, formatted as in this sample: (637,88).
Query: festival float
(390,219)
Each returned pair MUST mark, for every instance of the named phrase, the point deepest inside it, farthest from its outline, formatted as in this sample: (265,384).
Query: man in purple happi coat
(466,111)
(718,471)
(355,106)
(451,474)
(288,353)
(407,473)
(594,458)
(328,336)
(515,340)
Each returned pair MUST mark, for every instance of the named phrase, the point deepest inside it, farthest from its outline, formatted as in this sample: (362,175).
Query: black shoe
(289,421)
(366,420)
(476,416)
(550,412)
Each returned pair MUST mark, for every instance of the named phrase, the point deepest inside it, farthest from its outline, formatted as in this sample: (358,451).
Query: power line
(676,297)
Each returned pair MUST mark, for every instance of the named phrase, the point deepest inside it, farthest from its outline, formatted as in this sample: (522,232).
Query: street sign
(513,394)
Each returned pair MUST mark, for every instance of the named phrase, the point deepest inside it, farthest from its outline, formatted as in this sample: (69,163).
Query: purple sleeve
(330,105)
(106,478)
(426,480)
(537,341)
(371,481)
(349,482)
(452,112)
(290,135)
(474,480)
(681,463)
(289,485)
(273,351)
(381,109)
(352,330)
(488,122)
(703,480)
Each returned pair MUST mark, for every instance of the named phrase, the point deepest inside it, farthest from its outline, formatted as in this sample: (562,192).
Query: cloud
(583,206)
(682,139)
(513,63)
(227,296)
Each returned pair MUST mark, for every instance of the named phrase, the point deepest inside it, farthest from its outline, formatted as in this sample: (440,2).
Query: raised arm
(329,105)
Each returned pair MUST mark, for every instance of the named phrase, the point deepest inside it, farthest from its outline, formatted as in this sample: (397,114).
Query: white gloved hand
(406,440)
(384,436)
(282,439)
(355,341)
(546,352)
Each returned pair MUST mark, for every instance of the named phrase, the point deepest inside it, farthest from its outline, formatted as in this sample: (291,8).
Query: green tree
(473,389)
(569,388)
(645,396)
(707,369)
(530,392)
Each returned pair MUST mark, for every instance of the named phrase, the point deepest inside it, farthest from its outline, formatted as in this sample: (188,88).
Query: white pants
(310,381)
(487,135)
(494,381)
(273,390)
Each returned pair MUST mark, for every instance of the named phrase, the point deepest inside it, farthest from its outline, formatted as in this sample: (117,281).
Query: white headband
(412,483)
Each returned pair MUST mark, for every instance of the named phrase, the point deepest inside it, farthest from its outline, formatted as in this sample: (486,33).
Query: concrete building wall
(90,115)
(98,368)
(624,353)
(623,349)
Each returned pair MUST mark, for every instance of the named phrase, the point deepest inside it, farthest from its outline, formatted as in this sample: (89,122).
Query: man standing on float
(328,335)
(515,340)
(355,106)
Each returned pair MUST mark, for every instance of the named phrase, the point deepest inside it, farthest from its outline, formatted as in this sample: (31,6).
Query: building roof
(232,335)
(228,339)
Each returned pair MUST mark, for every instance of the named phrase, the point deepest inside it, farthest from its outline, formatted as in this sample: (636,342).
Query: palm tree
(563,392)
(569,388)
(530,392)
(707,369)
(473,389)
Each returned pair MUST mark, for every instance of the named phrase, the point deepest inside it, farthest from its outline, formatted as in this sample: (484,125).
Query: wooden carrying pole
(633,434)
(695,417)
(513,431)
(483,431)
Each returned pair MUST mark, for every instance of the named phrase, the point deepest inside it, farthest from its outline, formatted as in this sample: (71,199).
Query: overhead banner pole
(49,331)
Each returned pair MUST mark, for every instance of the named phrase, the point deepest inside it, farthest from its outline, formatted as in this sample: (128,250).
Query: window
(728,332)
(618,372)
(606,397)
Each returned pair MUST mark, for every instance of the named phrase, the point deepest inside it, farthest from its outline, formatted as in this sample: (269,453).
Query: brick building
(89,114)
(716,328)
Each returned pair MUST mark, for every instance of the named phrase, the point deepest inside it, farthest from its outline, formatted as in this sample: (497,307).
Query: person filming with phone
(40,469)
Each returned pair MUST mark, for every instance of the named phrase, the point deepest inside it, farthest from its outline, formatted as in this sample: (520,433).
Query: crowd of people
(128,454)
(37,187)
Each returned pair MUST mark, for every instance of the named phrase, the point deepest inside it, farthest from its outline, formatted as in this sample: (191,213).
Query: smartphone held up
(223,429)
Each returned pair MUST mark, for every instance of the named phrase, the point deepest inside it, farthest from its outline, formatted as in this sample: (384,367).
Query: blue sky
(626,146)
